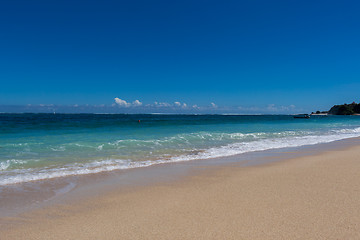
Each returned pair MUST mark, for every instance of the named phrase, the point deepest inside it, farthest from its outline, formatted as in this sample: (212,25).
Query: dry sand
(313,197)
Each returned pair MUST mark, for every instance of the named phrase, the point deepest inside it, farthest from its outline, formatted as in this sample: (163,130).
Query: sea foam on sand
(312,197)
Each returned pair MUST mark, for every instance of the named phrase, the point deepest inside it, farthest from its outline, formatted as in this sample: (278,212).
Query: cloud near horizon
(123,103)
(137,103)
(274,108)
(122,106)
(212,107)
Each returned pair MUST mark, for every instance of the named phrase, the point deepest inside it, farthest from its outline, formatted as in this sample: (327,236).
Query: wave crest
(246,142)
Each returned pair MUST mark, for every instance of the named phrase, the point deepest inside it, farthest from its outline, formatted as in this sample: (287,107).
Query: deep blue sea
(44,146)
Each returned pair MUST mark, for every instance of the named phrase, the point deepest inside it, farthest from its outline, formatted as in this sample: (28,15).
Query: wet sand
(311,197)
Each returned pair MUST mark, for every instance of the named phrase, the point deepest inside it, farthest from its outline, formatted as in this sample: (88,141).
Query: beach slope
(312,197)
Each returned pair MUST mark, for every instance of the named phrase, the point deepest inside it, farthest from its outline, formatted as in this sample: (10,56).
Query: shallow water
(48,146)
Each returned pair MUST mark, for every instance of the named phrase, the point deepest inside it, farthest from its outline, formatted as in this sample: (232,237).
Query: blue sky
(243,56)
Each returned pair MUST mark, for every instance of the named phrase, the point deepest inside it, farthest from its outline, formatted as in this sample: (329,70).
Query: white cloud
(46,105)
(195,106)
(124,103)
(288,108)
(213,105)
(271,107)
(137,103)
(162,104)
(179,104)
(274,108)
(121,102)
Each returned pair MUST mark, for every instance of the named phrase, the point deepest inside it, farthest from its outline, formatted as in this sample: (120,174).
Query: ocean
(35,147)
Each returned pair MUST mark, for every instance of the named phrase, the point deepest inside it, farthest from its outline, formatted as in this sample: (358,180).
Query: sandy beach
(312,197)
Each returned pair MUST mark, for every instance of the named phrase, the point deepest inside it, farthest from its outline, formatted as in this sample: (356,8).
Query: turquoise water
(45,146)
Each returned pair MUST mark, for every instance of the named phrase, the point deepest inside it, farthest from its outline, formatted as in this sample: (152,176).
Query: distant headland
(343,109)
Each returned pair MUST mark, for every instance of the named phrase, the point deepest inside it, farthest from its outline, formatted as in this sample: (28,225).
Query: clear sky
(254,56)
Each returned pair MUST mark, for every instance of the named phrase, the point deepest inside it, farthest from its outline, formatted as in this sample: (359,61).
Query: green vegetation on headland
(320,113)
(345,109)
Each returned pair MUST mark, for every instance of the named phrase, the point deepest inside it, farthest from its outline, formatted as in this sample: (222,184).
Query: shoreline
(18,199)
(311,196)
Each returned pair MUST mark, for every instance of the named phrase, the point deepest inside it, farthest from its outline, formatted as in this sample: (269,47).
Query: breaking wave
(225,144)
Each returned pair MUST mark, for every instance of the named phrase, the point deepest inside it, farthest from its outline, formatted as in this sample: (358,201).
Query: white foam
(6,164)
(59,149)
(291,139)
